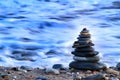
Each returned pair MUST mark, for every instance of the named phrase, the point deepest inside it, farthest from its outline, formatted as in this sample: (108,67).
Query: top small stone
(85,30)
(84,33)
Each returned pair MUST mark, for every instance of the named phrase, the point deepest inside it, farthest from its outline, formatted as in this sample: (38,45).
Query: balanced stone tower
(85,57)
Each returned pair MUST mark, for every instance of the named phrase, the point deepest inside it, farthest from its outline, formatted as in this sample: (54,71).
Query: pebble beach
(17,73)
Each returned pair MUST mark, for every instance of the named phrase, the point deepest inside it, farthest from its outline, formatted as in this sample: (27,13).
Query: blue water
(43,32)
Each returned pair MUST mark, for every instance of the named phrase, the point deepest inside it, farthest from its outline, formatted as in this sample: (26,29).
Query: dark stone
(118,66)
(99,76)
(85,36)
(85,54)
(15,68)
(5,76)
(28,68)
(85,49)
(79,38)
(58,66)
(87,65)
(84,30)
(79,45)
(41,78)
(87,59)
(82,41)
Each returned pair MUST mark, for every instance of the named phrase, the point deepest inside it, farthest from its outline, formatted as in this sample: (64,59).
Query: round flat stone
(82,45)
(85,49)
(85,36)
(87,65)
(58,66)
(84,30)
(87,59)
(84,33)
(85,54)
(79,38)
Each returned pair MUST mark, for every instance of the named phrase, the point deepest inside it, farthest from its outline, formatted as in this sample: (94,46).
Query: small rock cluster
(85,57)
(57,72)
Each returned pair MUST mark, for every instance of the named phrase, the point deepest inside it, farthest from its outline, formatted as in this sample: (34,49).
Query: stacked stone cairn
(85,57)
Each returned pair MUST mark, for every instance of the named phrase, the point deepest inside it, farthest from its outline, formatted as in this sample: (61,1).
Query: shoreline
(28,73)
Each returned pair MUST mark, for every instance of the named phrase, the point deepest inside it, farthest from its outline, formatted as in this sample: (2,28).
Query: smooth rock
(58,66)
(85,36)
(85,54)
(28,68)
(87,59)
(112,71)
(87,65)
(85,49)
(99,76)
(51,70)
(5,76)
(79,39)
(83,42)
(15,68)
(41,78)
(84,31)
(82,45)
(118,66)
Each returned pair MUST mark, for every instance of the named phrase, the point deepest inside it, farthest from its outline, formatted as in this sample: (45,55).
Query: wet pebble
(41,78)
(28,68)
(58,66)
(112,71)
(15,68)
(118,66)
(5,76)
(51,70)
(99,76)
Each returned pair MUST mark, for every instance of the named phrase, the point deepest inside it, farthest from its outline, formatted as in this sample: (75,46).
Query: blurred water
(40,33)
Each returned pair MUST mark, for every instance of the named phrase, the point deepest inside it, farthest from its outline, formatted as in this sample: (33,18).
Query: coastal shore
(28,73)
